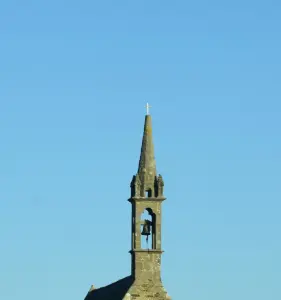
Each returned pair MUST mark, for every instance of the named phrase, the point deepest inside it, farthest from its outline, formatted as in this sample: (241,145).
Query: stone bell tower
(147,196)
(144,282)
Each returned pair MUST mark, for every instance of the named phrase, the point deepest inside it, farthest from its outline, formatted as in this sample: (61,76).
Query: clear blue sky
(74,80)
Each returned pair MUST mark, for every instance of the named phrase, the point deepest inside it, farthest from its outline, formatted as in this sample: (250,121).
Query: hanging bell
(146,228)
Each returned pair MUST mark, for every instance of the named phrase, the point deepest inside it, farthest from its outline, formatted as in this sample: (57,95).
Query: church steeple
(146,248)
(147,164)
(147,196)
(146,183)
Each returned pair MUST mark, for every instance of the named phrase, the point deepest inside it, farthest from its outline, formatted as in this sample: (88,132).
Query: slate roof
(114,291)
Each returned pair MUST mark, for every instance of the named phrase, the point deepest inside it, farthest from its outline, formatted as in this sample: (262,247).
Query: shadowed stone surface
(114,291)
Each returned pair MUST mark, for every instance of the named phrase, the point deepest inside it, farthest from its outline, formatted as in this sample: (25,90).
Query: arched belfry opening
(148,233)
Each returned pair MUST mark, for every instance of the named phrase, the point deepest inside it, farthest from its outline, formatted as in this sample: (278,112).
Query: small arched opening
(148,193)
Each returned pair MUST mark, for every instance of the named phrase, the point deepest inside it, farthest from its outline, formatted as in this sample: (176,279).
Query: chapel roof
(114,291)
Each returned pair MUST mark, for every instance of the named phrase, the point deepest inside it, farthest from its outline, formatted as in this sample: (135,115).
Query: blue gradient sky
(74,80)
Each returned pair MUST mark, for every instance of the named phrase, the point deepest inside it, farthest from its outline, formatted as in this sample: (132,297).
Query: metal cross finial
(147,108)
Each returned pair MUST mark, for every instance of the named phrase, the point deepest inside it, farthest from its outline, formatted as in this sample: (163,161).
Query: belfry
(146,196)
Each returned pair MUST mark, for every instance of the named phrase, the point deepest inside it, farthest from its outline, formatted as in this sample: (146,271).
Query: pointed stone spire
(147,164)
